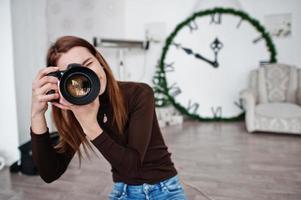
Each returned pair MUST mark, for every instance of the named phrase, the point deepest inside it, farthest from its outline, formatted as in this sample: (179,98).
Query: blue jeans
(168,189)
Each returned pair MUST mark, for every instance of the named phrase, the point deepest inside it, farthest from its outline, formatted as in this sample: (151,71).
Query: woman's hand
(86,115)
(40,86)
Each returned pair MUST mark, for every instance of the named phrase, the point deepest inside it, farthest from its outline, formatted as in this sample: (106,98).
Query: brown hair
(70,132)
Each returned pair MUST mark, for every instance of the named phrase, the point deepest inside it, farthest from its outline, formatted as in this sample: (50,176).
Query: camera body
(79,85)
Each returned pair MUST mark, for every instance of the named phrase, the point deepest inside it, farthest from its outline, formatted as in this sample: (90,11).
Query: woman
(121,124)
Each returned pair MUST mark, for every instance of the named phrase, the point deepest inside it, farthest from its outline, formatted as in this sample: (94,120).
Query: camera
(79,85)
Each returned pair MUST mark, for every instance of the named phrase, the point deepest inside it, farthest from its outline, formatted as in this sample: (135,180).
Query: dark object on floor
(26,165)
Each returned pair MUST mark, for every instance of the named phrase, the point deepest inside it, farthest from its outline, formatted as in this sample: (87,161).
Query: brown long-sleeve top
(138,156)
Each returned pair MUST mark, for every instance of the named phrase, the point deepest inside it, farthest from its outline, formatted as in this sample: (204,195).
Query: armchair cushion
(278,110)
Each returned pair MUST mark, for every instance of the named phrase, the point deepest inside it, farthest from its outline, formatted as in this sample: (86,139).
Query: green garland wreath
(162,95)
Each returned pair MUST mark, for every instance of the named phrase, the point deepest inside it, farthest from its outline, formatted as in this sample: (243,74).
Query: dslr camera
(79,85)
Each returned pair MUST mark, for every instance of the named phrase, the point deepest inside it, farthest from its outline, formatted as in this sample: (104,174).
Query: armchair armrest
(248,97)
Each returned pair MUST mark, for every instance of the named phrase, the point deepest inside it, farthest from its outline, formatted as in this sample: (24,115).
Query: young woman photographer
(121,123)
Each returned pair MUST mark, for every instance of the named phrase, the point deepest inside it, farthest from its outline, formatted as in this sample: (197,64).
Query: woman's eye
(89,63)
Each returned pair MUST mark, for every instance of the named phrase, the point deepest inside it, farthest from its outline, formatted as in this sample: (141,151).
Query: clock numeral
(216,18)
(169,67)
(239,23)
(239,104)
(193,26)
(174,90)
(257,39)
(217,112)
(192,108)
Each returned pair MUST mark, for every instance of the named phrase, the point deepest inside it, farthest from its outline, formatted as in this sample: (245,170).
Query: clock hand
(213,63)
(216,46)
(196,55)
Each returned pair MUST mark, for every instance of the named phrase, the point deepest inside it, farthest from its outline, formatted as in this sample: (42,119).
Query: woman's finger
(49,97)
(43,72)
(44,80)
(47,87)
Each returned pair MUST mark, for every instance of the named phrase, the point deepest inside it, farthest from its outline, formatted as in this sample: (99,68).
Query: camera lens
(78,85)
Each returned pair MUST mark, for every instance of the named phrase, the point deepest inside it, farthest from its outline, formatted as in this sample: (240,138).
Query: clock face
(208,61)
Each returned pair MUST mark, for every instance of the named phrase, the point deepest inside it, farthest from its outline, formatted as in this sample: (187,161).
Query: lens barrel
(79,85)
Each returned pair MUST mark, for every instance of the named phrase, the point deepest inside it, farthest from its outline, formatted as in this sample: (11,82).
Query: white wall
(159,18)
(8,114)
(87,19)
(288,48)
(29,36)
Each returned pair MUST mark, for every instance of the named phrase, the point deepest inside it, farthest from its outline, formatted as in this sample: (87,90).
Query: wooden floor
(218,161)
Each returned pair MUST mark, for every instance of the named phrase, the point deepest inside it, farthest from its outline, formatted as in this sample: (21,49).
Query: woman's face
(81,55)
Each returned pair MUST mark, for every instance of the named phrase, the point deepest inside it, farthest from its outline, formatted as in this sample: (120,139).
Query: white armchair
(273,99)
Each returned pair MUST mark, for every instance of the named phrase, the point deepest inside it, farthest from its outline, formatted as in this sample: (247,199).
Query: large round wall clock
(206,60)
